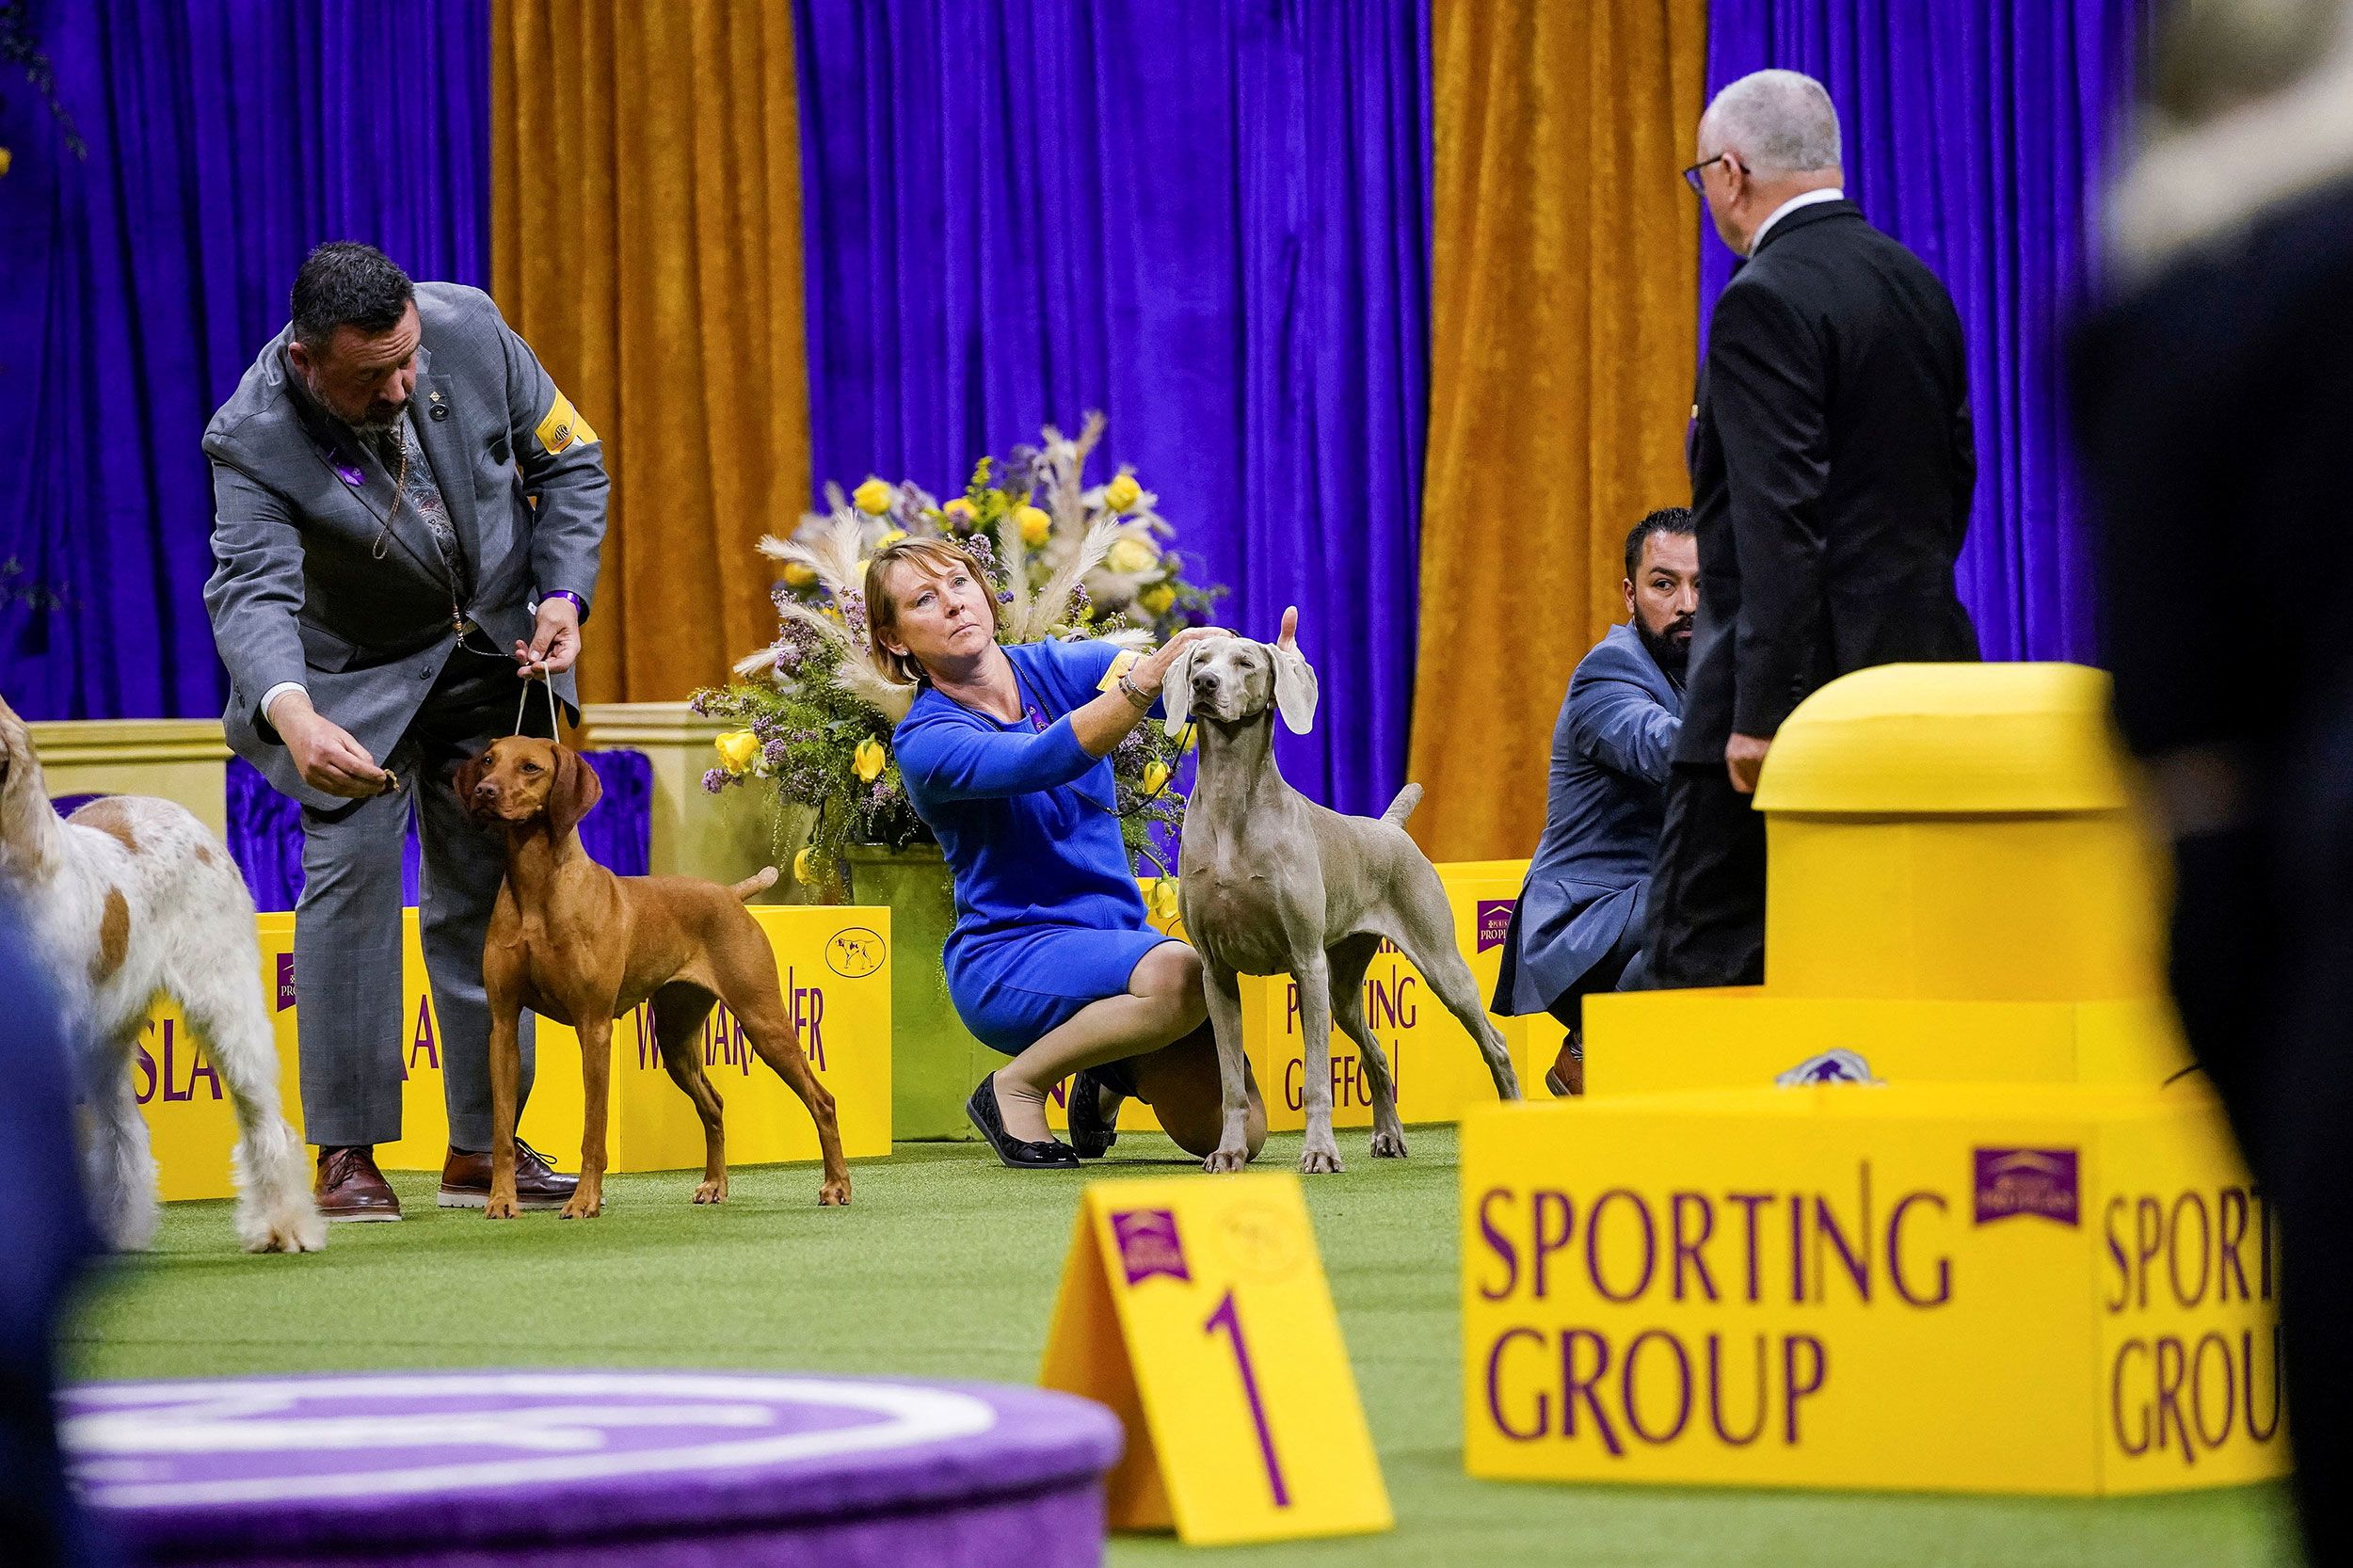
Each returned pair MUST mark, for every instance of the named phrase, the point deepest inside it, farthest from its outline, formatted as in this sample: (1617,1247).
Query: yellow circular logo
(856,952)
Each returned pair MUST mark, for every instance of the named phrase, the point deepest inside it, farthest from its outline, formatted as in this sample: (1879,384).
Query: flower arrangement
(1064,560)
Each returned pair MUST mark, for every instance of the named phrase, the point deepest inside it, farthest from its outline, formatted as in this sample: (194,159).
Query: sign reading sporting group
(1947,1287)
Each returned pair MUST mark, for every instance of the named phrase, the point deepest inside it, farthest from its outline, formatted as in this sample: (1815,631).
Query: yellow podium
(1962,1288)
(1960,887)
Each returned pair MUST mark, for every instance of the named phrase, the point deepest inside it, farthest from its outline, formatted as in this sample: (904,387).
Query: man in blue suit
(1583,912)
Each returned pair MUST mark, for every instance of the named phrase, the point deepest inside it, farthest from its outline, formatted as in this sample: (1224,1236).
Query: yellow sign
(1438,1070)
(2018,1289)
(833,963)
(1198,1312)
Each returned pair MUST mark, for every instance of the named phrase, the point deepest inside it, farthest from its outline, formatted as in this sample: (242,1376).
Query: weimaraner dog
(1271,883)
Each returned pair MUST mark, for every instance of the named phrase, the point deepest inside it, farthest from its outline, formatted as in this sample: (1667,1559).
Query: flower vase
(935,1061)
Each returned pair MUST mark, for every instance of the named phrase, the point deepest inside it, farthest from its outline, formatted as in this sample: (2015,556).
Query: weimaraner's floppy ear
(576,789)
(1294,678)
(1177,688)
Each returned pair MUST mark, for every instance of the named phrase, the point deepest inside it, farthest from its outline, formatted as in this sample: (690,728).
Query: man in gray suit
(406,519)
(1581,916)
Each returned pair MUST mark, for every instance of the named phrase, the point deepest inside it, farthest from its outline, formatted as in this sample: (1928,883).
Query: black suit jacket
(1832,467)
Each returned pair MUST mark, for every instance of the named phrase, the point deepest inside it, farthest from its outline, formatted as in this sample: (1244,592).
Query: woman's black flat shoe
(1092,1134)
(1014,1153)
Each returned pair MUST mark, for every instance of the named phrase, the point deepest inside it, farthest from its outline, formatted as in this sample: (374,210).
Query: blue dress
(1048,918)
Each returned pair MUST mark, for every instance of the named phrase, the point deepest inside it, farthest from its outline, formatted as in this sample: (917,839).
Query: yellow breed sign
(833,961)
(1198,1312)
(1437,1067)
(2023,1289)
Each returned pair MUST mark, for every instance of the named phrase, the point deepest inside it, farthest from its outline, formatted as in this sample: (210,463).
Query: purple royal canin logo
(285,980)
(1495,919)
(2042,1182)
(1149,1244)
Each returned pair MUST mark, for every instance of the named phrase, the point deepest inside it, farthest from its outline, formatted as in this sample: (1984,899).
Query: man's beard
(1671,654)
(378,422)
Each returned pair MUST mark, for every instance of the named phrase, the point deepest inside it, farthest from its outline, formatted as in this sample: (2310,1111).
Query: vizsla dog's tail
(759,882)
(1403,806)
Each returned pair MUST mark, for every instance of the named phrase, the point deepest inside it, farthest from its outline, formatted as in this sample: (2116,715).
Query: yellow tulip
(872,497)
(803,864)
(1164,903)
(6,158)
(1122,492)
(893,536)
(1155,777)
(868,761)
(1156,599)
(798,575)
(959,507)
(738,749)
(1036,527)
(1131,555)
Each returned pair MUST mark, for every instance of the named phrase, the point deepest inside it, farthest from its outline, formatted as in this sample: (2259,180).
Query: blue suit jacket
(1603,813)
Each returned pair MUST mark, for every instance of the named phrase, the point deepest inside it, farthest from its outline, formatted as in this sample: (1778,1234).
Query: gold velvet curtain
(646,241)
(1563,334)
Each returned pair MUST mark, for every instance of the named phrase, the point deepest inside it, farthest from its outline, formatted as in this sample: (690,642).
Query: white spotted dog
(131,897)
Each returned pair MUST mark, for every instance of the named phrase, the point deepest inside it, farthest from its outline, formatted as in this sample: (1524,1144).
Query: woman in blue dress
(1005,755)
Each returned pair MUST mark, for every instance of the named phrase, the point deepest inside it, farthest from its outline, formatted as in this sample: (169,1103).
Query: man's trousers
(1707,892)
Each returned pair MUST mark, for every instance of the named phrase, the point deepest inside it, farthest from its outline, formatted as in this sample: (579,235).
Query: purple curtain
(225,137)
(1978,133)
(1212,222)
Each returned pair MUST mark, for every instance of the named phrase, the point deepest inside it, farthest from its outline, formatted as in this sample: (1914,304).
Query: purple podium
(593,1470)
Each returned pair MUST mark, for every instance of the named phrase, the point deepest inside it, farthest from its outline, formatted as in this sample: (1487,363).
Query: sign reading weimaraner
(1271,883)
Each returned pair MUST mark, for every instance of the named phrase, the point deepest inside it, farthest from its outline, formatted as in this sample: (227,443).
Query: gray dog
(1271,883)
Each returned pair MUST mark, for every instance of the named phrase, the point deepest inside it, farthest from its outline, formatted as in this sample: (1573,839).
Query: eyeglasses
(1691,175)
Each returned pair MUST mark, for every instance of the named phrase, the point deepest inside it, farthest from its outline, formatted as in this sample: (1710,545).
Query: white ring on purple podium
(248,1416)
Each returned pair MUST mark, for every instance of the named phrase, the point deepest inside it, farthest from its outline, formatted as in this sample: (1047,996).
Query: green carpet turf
(946,1266)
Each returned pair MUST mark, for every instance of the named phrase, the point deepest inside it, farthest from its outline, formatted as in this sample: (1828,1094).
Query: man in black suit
(1832,466)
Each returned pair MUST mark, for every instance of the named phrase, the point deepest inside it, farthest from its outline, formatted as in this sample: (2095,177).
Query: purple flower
(700,706)
(1004,595)
(1079,600)
(715,780)
(789,657)
(774,751)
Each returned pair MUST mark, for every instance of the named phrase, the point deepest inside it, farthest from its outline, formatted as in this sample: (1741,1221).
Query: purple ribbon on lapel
(348,473)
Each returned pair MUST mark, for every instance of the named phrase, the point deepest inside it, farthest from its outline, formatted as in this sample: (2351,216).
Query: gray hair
(1779,121)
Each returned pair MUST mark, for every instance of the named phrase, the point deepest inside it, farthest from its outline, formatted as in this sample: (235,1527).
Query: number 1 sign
(1198,1311)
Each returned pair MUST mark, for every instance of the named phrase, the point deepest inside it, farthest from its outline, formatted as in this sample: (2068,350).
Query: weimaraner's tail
(759,882)
(1403,806)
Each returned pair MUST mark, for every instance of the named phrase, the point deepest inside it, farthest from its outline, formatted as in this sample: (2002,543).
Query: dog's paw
(1388,1146)
(583,1207)
(1320,1162)
(834,1195)
(712,1191)
(1224,1162)
(500,1209)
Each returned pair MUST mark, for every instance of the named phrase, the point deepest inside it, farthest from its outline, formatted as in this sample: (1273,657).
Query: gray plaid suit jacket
(298,591)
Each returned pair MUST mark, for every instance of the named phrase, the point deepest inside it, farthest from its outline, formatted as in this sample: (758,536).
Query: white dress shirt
(1803,198)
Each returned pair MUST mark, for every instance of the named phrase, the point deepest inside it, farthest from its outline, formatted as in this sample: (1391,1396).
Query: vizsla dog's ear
(1177,688)
(468,776)
(575,790)
(1295,687)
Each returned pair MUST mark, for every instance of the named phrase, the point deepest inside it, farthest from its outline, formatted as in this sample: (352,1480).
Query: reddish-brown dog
(573,942)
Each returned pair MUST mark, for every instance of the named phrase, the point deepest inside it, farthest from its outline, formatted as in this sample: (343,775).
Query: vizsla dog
(1271,883)
(573,942)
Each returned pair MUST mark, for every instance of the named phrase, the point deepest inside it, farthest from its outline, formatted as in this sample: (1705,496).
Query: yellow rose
(1155,777)
(1156,599)
(872,497)
(893,536)
(1122,492)
(798,575)
(738,749)
(1036,527)
(866,761)
(959,507)
(1131,555)
(1165,898)
(6,158)
(803,864)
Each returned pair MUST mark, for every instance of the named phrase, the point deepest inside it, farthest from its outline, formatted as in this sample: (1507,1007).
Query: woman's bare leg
(1163,1002)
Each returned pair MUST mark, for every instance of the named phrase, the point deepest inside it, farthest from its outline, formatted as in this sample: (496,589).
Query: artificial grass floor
(946,1266)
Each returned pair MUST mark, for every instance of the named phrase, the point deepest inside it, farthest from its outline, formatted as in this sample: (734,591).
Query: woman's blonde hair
(934,558)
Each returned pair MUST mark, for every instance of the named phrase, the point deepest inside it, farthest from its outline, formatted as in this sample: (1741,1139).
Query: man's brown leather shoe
(1565,1078)
(349,1187)
(466,1179)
